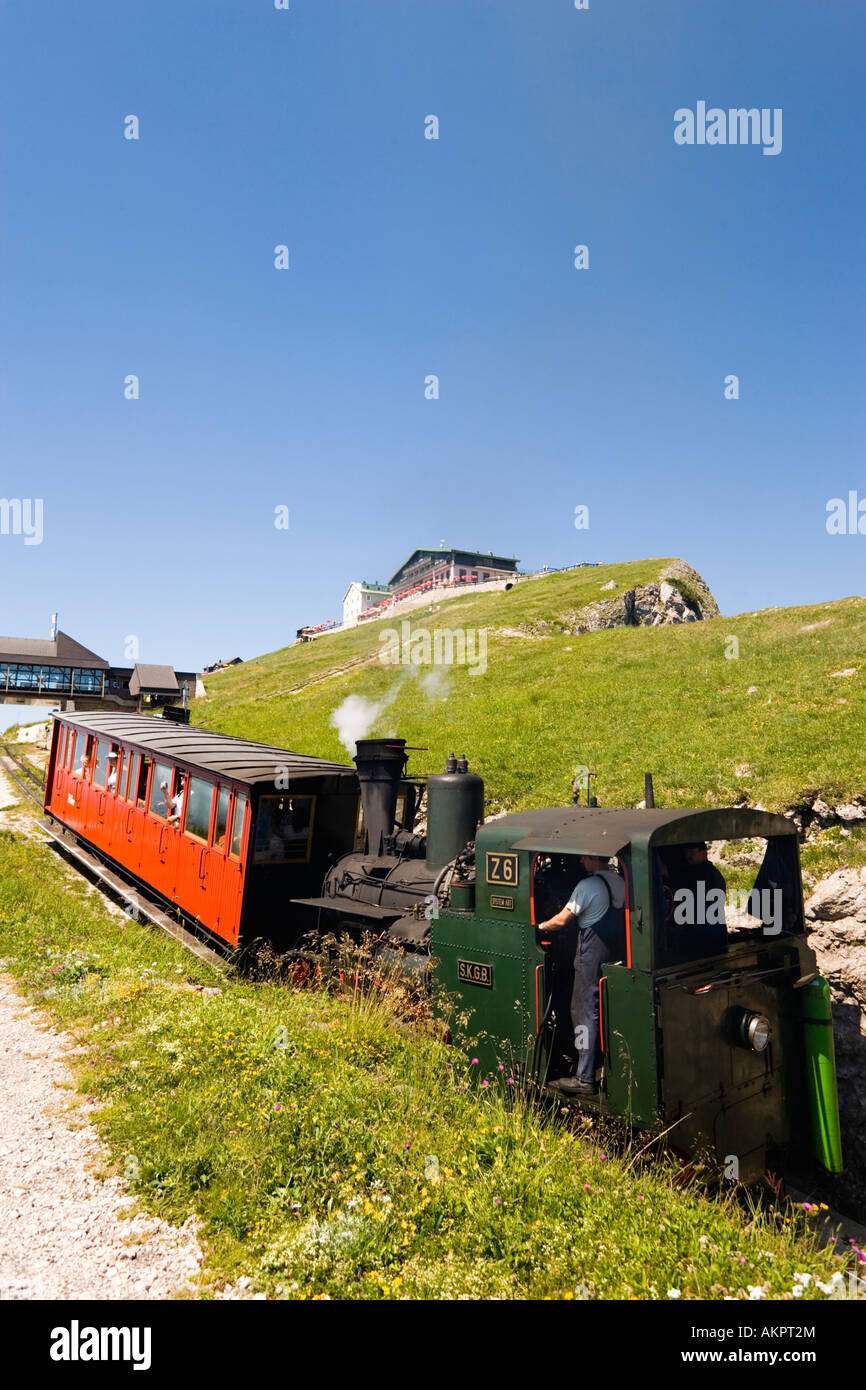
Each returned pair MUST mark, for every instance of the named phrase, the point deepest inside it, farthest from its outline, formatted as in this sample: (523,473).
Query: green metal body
(821,1063)
(669,1062)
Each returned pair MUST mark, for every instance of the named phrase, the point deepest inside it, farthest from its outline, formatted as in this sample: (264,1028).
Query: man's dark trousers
(592,952)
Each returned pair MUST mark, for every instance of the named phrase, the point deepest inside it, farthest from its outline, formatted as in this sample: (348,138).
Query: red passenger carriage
(226,829)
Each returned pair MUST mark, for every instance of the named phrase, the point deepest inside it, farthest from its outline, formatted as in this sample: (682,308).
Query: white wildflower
(674,1293)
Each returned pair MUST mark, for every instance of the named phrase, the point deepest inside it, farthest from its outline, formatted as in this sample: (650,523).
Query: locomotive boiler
(396,884)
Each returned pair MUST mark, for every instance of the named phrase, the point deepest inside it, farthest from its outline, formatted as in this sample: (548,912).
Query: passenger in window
(176,803)
(111,780)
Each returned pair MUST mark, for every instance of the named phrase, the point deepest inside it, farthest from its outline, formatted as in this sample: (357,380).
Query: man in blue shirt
(598,906)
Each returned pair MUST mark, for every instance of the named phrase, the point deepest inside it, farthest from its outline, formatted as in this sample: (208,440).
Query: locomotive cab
(705,1027)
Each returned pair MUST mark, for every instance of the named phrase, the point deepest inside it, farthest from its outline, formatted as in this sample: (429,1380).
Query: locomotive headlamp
(757,1032)
(745,1028)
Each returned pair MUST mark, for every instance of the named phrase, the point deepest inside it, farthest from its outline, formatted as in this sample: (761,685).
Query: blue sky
(410,256)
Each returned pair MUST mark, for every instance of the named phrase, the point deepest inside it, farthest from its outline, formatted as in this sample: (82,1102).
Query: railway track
(34,785)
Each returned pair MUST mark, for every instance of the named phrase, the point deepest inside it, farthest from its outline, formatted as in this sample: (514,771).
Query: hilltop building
(425,569)
(451,567)
(359,596)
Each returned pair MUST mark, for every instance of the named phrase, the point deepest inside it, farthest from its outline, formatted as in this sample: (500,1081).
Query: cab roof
(230,757)
(605,831)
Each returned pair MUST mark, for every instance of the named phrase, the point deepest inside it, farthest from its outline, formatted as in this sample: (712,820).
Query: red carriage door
(199,867)
(138,794)
(164,836)
(229,831)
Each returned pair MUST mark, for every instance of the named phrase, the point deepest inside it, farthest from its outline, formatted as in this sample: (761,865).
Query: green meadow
(724,711)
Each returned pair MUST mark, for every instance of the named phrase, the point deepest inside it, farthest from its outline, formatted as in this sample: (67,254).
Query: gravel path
(62,1234)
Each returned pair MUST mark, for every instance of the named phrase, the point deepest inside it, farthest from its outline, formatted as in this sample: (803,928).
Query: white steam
(355,717)
(436,683)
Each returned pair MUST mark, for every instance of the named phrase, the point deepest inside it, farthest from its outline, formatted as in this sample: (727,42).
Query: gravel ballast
(63,1234)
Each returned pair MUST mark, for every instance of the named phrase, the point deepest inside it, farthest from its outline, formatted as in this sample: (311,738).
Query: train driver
(598,905)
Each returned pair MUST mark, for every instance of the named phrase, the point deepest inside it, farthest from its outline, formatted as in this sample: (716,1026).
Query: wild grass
(333,1151)
(724,711)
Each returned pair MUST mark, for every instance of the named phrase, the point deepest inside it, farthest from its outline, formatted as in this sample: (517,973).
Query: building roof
(235,758)
(366,588)
(605,831)
(455,556)
(61,650)
(154,679)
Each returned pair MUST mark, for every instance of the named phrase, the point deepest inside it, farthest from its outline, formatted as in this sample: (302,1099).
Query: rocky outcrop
(679,595)
(812,814)
(836,922)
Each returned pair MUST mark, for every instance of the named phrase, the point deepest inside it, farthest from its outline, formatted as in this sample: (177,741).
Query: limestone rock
(841,895)
(657,604)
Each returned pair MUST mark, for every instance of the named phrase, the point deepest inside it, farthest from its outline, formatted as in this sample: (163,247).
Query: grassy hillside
(331,1153)
(766,725)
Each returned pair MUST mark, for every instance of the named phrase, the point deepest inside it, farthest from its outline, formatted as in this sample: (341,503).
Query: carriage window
(238,825)
(130,778)
(141,784)
(101,767)
(61,746)
(222,818)
(283,830)
(83,754)
(160,790)
(114,758)
(198,808)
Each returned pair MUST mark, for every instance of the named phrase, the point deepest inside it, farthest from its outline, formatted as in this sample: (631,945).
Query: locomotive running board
(133,899)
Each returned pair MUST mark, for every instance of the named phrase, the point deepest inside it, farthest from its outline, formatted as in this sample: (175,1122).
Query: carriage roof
(222,754)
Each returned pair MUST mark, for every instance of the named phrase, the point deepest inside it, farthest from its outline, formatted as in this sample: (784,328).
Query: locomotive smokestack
(380,763)
(648,793)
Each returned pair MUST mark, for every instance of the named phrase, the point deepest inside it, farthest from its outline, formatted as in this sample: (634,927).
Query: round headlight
(757,1032)
(745,1028)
